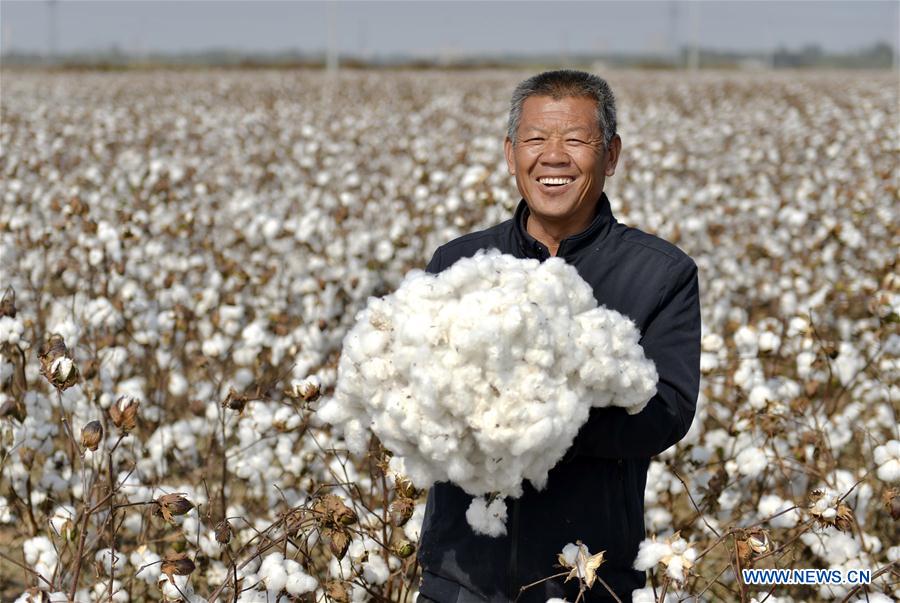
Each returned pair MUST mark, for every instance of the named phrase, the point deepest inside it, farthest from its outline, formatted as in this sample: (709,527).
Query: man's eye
(536,139)
(575,141)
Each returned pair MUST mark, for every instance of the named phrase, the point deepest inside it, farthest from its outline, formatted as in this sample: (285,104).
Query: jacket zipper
(513,547)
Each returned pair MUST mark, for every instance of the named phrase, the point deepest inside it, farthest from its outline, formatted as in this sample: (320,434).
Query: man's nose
(554,152)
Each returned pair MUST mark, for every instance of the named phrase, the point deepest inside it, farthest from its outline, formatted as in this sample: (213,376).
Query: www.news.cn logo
(806,576)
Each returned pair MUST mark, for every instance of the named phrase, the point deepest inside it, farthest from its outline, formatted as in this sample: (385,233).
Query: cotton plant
(483,375)
(675,554)
(582,565)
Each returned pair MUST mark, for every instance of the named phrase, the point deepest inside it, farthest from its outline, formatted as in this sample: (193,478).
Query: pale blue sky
(455,28)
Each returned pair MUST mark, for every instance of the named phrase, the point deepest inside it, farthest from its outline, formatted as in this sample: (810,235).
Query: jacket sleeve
(434,266)
(672,341)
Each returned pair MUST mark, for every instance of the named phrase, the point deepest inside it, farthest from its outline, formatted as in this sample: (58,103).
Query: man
(561,146)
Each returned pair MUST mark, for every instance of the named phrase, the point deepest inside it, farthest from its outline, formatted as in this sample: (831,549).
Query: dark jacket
(596,493)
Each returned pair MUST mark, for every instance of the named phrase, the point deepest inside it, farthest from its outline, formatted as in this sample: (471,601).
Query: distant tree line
(878,56)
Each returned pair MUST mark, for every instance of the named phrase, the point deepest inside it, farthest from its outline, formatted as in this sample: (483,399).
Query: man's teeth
(555,181)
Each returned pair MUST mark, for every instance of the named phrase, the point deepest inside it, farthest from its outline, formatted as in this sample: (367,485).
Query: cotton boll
(6,511)
(759,396)
(748,374)
(40,555)
(146,564)
(712,342)
(215,346)
(675,568)
(768,341)
(651,552)
(772,504)
(180,588)
(63,520)
(887,458)
(11,330)
(751,461)
(848,363)
(488,519)
(708,362)
(178,385)
(384,251)
(746,341)
(681,559)
(657,518)
(299,583)
(102,591)
(272,572)
(412,529)
(375,570)
(254,596)
(107,560)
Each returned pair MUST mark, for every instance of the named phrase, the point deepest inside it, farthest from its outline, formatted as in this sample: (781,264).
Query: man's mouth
(555,181)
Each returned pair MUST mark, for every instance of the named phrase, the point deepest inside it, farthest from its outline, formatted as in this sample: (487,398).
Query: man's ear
(510,161)
(612,158)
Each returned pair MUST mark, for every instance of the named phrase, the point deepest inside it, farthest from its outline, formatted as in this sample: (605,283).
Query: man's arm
(672,341)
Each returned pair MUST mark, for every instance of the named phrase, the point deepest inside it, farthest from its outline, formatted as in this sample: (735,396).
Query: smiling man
(561,146)
(557,151)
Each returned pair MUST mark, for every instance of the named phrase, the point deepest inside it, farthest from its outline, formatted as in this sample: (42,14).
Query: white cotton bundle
(483,375)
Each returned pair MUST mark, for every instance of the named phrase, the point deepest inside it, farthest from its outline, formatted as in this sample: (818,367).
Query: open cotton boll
(488,519)
(751,461)
(146,564)
(177,589)
(772,504)
(651,552)
(483,375)
(300,583)
(40,555)
(375,570)
(887,457)
(413,527)
(272,572)
(108,560)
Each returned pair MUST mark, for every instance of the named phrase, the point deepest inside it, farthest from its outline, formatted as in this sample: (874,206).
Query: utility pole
(331,54)
(51,31)
(694,53)
(329,89)
(673,32)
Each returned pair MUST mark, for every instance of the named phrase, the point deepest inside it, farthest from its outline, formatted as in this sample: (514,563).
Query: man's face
(559,160)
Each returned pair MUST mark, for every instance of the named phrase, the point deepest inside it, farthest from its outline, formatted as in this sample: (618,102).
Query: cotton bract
(483,375)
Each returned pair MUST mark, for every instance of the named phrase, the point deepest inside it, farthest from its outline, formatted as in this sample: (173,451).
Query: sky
(447,29)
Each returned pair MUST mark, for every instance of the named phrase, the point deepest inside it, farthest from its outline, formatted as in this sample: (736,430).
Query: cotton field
(183,253)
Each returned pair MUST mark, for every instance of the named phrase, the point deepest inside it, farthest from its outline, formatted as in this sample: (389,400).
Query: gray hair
(566,83)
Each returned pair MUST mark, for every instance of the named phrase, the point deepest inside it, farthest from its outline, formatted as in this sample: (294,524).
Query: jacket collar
(596,232)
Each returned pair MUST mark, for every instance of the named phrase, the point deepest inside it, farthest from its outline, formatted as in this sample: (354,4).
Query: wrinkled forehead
(565,114)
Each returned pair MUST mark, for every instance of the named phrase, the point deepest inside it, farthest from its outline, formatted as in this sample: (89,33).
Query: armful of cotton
(482,375)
